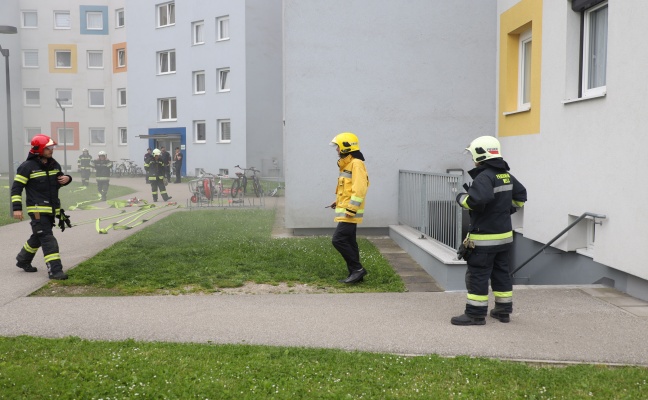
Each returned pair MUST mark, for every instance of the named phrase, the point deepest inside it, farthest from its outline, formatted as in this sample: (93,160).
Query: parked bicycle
(275,192)
(240,183)
(127,168)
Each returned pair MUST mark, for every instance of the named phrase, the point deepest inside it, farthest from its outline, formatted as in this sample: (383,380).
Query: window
(95,59)
(32,97)
(121,97)
(94,20)
(223,171)
(198,32)
(30,19)
(199,82)
(223,80)
(30,133)
(200,131)
(168,111)
(97,136)
(524,72)
(123,136)
(222,25)
(62,20)
(64,96)
(63,58)
(119,18)
(166,62)
(166,14)
(30,58)
(595,32)
(96,98)
(65,136)
(224,131)
(121,58)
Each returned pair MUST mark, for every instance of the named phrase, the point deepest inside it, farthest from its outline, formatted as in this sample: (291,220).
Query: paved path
(557,324)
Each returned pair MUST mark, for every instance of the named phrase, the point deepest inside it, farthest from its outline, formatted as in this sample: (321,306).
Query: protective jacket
(351,190)
(155,169)
(40,182)
(494,195)
(83,163)
(102,169)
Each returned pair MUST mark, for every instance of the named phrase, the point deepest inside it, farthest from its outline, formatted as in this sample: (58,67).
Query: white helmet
(484,148)
(156,152)
(102,153)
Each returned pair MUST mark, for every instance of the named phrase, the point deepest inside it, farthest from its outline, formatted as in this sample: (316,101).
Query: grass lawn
(70,195)
(71,368)
(206,250)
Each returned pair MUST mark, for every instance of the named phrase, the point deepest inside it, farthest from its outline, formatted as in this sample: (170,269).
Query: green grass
(202,251)
(70,195)
(71,368)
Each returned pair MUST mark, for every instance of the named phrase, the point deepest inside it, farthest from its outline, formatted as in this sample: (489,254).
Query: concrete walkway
(590,324)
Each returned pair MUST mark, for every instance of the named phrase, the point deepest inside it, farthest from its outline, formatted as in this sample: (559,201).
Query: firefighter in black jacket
(102,167)
(41,177)
(494,195)
(83,165)
(155,171)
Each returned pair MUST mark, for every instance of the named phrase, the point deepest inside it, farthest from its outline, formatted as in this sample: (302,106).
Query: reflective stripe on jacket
(40,182)
(351,190)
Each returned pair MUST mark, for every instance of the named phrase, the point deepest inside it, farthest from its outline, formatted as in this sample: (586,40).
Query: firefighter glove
(64,220)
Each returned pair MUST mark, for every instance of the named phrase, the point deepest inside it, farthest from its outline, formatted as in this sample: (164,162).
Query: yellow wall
(525,15)
(52,58)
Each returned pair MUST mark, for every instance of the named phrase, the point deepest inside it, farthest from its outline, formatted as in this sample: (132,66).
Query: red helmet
(39,142)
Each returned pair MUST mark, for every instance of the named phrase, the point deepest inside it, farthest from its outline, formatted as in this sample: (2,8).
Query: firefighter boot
(24,259)
(500,314)
(465,319)
(55,271)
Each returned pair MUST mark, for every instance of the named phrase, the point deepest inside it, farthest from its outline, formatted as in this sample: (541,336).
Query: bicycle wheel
(258,191)
(236,186)
(121,171)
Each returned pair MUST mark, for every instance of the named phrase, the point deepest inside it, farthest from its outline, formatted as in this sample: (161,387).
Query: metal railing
(426,202)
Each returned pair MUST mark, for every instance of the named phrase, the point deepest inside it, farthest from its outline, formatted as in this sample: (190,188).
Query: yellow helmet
(347,142)
(484,148)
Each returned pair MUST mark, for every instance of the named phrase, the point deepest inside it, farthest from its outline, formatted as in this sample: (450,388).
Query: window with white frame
(123,136)
(63,58)
(62,20)
(223,80)
(121,97)
(168,109)
(524,71)
(166,62)
(64,96)
(32,97)
(95,59)
(222,27)
(30,59)
(224,135)
(30,19)
(200,131)
(166,14)
(65,136)
(121,58)
(198,32)
(595,40)
(119,18)
(97,136)
(199,82)
(30,133)
(96,98)
(94,20)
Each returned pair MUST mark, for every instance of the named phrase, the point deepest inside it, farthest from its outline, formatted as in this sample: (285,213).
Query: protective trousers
(158,184)
(344,241)
(42,236)
(483,266)
(102,187)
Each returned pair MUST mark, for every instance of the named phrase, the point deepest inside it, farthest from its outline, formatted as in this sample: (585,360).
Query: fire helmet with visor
(39,142)
(347,142)
(484,148)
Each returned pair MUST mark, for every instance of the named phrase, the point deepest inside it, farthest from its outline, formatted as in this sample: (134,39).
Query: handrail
(587,214)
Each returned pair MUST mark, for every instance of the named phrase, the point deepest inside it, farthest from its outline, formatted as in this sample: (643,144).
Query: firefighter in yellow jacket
(349,204)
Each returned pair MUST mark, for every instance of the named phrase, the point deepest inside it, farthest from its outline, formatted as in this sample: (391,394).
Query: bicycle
(275,192)
(240,183)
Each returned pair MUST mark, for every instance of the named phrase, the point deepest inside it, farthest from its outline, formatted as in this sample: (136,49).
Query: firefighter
(494,195)
(349,203)
(102,167)
(156,173)
(83,165)
(41,177)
